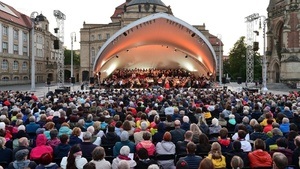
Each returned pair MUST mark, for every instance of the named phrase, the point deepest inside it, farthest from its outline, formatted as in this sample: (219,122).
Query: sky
(223,18)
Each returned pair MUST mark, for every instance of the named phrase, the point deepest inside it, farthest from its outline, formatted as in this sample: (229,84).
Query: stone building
(16,47)
(283,41)
(131,22)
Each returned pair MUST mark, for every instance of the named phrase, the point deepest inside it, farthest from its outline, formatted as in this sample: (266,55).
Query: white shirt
(102,164)
(79,162)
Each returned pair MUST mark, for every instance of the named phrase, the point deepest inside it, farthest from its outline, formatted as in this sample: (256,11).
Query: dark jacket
(110,138)
(192,160)
(74,140)
(144,164)
(240,153)
(87,149)
(61,150)
(256,135)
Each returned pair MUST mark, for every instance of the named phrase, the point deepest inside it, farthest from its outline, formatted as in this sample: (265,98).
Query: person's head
(236,145)
(242,134)
(111,128)
(2,142)
(126,125)
(195,129)
(259,144)
(144,126)
(188,135)
(206,163)
(123,164)
(237,162)
(280,161)
(276,132)
(46,158)
(23,141)
(64,138)
(282,142)
(98,153)
(258,128)
(285,120)
(124,136)
(177,124)
(21,155)
(74,152)
(185,119)
(49,125)
(53,134)
(76,131)
(223,133)
(182,164)
(146,136)
(191,148)
(216,150)
(297,141)
(153,166)
(167,136)
(203,139)
(89,165)
(87,136)
(142,154)
(215,122)
(125,150)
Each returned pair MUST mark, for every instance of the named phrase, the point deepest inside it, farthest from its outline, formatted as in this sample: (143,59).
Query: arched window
(16,78)
(4,65)
(24,66)
(16,65)
(25,78)
(5,78)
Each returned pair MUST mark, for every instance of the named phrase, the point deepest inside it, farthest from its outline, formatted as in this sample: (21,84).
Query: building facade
(94,36)
(16,47)
(283,41)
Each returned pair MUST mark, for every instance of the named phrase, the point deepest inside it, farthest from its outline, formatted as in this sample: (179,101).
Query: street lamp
(220,59)
(264,64)
(73,39)
(33,17)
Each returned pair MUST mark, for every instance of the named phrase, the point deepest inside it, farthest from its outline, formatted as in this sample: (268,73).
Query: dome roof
(135,2)
(41,17)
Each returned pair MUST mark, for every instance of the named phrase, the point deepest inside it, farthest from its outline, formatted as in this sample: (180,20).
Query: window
(16,65)
(16,35)
(16,49)
(107,36)
(99,37)
(25,78)
(4,65)
(39,52)
(93,55)
(25,38)
(5,31)
(16,78)
(5,47)
(92,37)
(5,78)
(25,50)
(24,66)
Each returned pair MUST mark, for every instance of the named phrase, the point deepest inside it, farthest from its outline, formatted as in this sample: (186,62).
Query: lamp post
(73,39)
(220,59)
(264,64)
(32,17)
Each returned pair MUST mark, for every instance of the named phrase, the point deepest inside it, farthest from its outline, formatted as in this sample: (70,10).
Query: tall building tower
(283,41)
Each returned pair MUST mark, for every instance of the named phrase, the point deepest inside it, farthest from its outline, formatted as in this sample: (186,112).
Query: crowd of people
(148,78)
(149,128)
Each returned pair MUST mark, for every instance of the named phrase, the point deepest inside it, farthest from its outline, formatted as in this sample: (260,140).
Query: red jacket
(148,145)
(40,148)
(259,158)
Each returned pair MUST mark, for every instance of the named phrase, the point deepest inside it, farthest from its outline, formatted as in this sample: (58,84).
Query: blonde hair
(215,150)
(195,129)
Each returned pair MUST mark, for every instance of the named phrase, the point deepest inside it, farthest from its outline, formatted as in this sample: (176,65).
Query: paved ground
(42,89)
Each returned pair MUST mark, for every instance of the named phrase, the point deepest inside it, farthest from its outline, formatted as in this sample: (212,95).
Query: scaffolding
(250,53)
(60,17)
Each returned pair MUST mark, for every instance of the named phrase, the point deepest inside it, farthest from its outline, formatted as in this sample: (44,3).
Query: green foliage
(76,57)
(235,66)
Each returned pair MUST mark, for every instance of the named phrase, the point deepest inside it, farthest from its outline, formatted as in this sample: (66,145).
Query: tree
(235,66)
(76,57)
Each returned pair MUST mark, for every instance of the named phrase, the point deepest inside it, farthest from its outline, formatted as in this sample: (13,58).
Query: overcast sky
(225,18)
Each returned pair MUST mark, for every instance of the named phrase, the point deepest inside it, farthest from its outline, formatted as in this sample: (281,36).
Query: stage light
(186,56)
(117,56)
(125,34)
(193,34)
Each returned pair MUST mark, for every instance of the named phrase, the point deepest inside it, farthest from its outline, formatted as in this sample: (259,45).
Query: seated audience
(74,159)
(206,163)
(280,161)
(124,142)
(192,159)
(8,157)
(166,147)
(22,161)
(123,155)
(216,156)
(87,146)
(46,162)
(224,140)
(99,159)
(143,161)
(110,138)
(147,144)
(259,157)
(203,146)
(258,133)
(236,162)
(282,144)
(40,148)
(177,133)
(181,145)
(63,147)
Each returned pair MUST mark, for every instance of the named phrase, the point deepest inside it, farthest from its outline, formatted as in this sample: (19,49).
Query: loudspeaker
(223,80)
(48,81)
(255,46)
(239,80)
(56,44)
(73,80)
(91,80)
